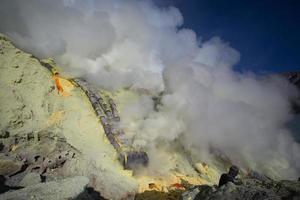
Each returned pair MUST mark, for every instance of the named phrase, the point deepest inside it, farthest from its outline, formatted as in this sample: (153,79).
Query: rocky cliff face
(49,134)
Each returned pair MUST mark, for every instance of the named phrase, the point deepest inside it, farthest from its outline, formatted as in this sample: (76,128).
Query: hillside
(52,145)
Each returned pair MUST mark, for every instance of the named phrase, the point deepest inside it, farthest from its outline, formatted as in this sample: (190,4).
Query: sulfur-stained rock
(24,84)
(9,167)
(33,107)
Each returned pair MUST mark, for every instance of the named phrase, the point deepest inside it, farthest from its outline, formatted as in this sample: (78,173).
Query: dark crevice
(4,188)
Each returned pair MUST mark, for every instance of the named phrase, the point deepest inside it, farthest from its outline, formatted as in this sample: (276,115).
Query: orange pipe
(57,83)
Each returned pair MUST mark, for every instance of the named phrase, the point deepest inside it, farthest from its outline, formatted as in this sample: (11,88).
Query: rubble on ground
(68,188)
(248,189)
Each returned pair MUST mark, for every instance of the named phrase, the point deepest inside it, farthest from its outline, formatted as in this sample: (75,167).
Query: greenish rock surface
(9,167)
(68,188)
(30,179)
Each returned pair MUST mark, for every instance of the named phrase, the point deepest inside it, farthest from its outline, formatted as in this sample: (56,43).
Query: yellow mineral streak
(211,173)
(63,86)
(13,147)
(56,118)
(167,183)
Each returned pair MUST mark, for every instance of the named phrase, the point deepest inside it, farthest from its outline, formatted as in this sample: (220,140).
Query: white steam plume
(137,45)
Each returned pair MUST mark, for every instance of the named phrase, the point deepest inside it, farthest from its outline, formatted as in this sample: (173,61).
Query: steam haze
(137,45)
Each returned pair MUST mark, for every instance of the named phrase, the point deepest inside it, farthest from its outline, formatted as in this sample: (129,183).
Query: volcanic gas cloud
(138,46)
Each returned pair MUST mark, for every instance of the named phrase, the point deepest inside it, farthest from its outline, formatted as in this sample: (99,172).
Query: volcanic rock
(30,179)
(9,167)
(248,189)
(68,188)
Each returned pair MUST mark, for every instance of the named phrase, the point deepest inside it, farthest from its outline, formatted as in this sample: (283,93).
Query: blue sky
(265,32)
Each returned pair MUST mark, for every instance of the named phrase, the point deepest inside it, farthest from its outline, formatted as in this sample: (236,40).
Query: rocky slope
(50,134)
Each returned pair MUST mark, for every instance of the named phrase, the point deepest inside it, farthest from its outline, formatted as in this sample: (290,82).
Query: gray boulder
(30,179)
